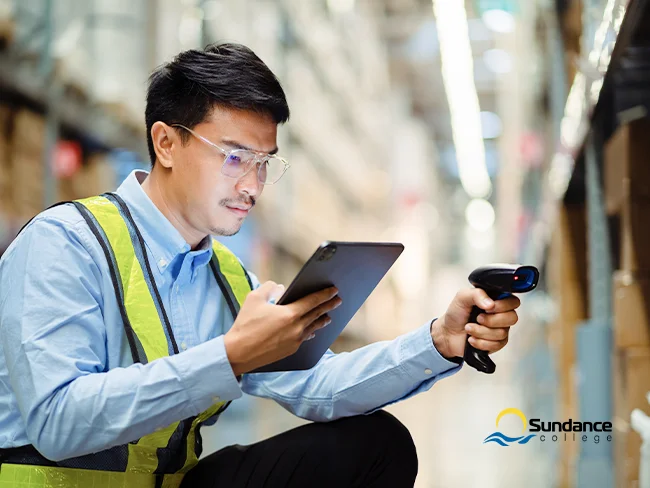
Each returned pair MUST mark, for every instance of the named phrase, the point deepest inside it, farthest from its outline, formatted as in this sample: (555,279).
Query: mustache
(248,201)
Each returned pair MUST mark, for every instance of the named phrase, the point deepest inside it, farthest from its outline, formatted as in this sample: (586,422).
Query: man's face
(212,202)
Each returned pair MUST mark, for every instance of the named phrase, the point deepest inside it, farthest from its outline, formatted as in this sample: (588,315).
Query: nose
(249,183)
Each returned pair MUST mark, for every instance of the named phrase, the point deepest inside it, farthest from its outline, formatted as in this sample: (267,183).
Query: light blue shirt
(68,384)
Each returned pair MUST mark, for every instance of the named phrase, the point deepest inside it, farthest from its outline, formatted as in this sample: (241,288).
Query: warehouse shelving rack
(32,79)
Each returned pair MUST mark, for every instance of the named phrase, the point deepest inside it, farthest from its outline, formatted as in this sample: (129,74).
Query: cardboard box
(571,25)
(26,174)
(27,146)
(7,31)
(567,280)
(635,236)
(626,168)
(620,423)
(631,382)
(95,177)
(27,185)
(5,161)
(29,133)
(631,309)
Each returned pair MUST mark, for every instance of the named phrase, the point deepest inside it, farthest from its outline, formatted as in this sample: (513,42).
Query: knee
(394,431)
(394,439)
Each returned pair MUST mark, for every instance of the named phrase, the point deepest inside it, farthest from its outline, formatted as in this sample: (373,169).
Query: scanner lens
(523,280)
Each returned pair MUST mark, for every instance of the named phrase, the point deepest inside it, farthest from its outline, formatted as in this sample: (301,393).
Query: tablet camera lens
(327,253)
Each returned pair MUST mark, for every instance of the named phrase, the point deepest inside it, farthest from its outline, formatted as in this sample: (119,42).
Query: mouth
(239,211)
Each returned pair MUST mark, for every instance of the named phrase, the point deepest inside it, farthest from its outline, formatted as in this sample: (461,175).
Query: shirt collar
(160,236)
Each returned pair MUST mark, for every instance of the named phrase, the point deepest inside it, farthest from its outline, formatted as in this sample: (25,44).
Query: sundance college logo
(570,430)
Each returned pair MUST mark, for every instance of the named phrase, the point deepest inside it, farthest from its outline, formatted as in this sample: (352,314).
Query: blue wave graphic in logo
(505,441)
(526,439)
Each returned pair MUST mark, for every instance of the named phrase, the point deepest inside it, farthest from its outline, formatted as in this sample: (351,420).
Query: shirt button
(162,263)
(427,371)
(216,399)
(183,346)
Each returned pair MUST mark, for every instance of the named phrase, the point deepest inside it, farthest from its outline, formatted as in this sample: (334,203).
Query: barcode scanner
(499,281)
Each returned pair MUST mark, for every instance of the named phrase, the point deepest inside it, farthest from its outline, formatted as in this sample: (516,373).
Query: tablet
(355,268)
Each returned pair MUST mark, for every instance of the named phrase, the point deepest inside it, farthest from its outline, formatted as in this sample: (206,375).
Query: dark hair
(185,90)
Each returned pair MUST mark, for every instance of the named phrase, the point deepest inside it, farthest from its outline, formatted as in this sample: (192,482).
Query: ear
(164,138)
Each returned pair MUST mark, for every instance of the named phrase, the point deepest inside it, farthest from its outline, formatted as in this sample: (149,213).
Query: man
(124,327)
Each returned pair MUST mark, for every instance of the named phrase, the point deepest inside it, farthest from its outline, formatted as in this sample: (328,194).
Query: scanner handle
(476,358)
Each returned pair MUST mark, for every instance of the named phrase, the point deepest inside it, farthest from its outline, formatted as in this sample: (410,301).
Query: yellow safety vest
(161,458)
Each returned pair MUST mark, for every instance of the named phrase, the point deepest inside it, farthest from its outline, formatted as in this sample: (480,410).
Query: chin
(225,231)
(228,233)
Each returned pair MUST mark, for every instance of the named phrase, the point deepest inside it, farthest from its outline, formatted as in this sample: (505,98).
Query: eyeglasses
(238,162)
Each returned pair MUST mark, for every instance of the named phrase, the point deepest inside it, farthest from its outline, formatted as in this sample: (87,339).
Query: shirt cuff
(420,358)
(208,375)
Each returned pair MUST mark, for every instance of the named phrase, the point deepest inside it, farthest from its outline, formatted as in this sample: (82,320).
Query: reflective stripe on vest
(150,337)
(27,476)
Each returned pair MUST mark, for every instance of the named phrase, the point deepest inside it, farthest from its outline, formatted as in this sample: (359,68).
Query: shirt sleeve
(53,338)
(357,382)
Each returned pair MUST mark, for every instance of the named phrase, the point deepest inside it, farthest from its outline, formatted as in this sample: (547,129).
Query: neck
(157,188)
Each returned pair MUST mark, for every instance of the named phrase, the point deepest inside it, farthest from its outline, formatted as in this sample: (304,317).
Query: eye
(234,160)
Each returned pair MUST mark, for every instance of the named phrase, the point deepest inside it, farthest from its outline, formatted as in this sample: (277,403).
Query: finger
(481,332)
(504,319)
(489,346)
(276,294)
(468,297)
(505,305)
(268,290)
(322,309)
(317,324)
(310,302)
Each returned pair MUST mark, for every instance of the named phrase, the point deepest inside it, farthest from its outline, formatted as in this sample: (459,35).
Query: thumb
(482,300)
(474,296)
(271,291)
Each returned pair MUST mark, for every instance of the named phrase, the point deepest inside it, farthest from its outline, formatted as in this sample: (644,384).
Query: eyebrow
(237,145)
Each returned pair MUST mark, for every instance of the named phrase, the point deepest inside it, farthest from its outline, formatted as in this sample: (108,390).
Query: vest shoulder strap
(130,275)
(233,279)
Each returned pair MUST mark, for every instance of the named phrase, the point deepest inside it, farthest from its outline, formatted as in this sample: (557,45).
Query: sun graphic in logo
(504,440)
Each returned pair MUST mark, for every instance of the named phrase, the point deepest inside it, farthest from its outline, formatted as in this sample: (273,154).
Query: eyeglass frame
(227,154)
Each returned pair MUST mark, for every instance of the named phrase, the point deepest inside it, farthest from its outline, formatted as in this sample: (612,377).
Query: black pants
(369,451)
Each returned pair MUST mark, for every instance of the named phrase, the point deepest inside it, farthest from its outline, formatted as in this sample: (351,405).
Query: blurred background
(473,131)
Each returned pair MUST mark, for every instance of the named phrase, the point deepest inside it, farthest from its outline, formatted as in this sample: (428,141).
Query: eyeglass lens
(239,162)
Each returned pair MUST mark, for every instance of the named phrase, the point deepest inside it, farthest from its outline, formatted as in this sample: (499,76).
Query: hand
(264,332)
(450,331)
